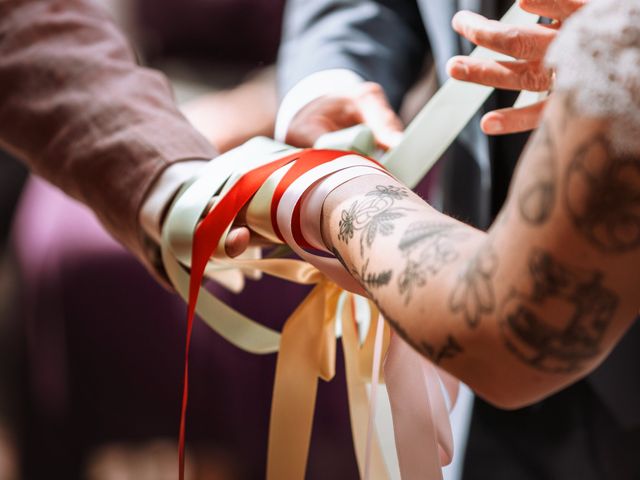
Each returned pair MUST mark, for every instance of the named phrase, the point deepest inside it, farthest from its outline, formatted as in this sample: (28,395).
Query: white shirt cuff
(307,90)
(162,192)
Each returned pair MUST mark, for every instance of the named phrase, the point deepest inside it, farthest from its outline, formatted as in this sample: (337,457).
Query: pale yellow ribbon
(307,353)
(308,342)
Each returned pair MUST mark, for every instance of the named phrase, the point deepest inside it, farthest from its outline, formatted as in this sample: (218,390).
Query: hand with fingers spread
(526,44)
(366,103)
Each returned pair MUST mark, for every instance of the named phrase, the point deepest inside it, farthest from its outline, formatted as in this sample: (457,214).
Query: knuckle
(522,122)
(482,36)
(524,4)
(519,43)
(481,71)
(535,80)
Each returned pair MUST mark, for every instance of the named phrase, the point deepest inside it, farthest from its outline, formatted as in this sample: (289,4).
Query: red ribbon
(211,229)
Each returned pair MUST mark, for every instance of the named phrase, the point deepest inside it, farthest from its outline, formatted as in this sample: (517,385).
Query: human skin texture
(527,44)
(533,304)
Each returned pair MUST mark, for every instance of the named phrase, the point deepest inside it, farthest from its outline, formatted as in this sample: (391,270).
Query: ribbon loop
(307,344)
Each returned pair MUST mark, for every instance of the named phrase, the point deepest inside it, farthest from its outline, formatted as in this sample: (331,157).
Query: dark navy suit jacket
(592,429)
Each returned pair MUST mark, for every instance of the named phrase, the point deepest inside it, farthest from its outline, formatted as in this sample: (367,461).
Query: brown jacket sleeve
(76,107)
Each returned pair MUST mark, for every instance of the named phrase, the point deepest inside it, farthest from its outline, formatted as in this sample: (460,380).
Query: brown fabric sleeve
(76,107)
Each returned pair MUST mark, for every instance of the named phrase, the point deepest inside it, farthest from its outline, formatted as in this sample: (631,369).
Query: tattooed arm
(529,307)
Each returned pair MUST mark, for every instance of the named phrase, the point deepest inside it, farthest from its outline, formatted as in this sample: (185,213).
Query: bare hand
(528,45)
(241,237)
(238,240)
(366,104)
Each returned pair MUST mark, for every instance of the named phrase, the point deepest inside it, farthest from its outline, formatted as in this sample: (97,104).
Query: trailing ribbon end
(206,237)
(307,344)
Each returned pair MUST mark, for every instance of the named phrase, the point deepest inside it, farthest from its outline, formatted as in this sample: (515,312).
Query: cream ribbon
(446,114)
(425,140)
(428,136)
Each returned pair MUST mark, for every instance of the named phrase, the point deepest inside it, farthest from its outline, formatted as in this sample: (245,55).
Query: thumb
(323,115)
(237,241)
(378,115)
(305,133)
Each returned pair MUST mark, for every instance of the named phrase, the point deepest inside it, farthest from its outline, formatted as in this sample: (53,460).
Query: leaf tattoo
(373,215)
(473,294)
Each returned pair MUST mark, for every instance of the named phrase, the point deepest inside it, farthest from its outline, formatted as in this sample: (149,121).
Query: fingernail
(493,126)
(460,70)
(233,235)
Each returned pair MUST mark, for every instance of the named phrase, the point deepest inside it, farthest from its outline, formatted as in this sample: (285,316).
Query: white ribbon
(425,140)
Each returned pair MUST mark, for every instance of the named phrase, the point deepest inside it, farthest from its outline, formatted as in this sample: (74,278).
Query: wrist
(307,90)
(161,194)
(339,200)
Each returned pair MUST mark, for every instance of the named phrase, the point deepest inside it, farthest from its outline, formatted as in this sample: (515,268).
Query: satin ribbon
(359,366)
(423,441)
(446,114)
(207,237)
(307,353)
(205,241)
(409,168)
(307,347)
(409,162)
(375,380)
(286,207)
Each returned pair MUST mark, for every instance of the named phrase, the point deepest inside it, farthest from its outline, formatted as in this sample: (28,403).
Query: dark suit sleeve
(76,107)
(381,40)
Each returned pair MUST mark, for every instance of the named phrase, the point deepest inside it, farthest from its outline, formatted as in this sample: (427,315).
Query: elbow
(509,401)
(514,388)
(513,394)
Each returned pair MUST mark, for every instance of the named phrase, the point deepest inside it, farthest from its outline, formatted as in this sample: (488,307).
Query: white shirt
(310,88)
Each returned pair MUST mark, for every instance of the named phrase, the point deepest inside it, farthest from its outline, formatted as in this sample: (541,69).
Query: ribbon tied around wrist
(271,179)
(308,340)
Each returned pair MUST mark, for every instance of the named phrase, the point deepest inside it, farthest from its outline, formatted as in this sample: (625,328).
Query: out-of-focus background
(91,349)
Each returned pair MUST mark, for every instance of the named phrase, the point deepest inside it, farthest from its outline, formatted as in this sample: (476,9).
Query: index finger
(379,116)
(555,9)
(524,42)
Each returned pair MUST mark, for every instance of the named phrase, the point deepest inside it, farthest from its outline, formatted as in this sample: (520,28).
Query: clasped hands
(368,104)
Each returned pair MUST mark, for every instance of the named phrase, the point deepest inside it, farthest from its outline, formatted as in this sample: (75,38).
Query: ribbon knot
(307,352)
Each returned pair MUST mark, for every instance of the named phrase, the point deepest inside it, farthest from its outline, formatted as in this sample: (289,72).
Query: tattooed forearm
(579,295)
(370,282)
(437,354)
(473,294)
(367,279)
(602,196)
(372,215)
(450,349)
(373,280)
(538,193)
(427,247)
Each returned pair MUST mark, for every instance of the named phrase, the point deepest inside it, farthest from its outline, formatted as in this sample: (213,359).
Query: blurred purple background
(91,348)
(234,31)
